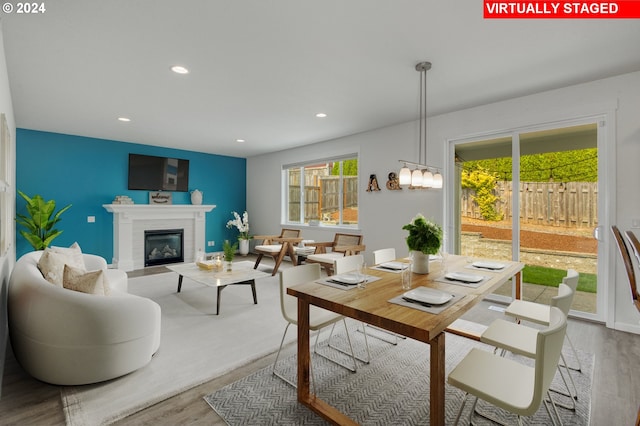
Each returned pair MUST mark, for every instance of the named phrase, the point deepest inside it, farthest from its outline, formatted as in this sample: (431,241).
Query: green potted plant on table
(242,223)
(425,238)
(229,253)
(40,221)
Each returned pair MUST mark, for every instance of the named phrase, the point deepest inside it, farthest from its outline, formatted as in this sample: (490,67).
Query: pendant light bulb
(437,180)
(416,178)
(404,176)
(427,179)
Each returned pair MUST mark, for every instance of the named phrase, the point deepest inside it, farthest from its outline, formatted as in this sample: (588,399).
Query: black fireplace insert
(163,246)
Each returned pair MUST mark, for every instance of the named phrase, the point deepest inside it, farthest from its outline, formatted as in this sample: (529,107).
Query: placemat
(380,268)
(433,309)
(327,281)
(475,268)
(442,279)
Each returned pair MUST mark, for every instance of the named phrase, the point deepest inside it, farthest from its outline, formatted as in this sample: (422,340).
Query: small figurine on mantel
(373,183)
(122,199)
(393,183)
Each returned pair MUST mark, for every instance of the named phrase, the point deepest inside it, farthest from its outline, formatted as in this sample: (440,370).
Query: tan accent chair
(635,246)
(342,245)
(277,246)
(626,258)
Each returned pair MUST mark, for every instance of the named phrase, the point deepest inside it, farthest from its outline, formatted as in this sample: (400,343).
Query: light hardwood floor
(615,395)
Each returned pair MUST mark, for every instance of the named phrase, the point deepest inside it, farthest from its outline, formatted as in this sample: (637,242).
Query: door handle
(596,233)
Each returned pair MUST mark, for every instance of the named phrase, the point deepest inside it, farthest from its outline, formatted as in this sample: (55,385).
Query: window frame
(6,190)
(301,166)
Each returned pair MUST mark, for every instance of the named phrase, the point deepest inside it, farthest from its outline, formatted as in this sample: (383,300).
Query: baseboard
(629,328)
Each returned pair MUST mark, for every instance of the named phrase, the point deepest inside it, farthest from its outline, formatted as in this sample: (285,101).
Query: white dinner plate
(348,278)
(395,266)
(488,265)
(428,295)
(465,278)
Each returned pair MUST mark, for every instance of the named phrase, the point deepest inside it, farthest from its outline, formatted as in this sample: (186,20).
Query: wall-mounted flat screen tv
(152,173)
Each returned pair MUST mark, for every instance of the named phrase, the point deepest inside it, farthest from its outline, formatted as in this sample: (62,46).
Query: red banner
(624,9)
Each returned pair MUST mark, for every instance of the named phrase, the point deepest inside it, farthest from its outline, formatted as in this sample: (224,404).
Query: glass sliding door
(485,219)
(532,196)
(559,211)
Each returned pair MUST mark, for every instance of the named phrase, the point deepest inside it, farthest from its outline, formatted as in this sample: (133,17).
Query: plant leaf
(40,221)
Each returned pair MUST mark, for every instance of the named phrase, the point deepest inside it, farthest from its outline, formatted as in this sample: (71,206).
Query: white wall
(8,259)
(383,214)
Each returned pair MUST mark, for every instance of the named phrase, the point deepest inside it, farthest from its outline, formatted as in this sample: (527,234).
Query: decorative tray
(206,265)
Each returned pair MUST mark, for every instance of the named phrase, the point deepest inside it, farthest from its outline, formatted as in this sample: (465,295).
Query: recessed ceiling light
(240,140)
(125,119)
(179,69)
(321,115)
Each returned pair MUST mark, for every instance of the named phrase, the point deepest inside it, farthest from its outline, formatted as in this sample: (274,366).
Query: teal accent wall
(89,172)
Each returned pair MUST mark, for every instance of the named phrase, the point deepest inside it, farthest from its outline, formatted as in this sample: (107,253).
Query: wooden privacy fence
(562,204)
(321,200)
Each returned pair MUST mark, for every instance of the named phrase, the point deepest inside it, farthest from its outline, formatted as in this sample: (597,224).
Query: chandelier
(423,175)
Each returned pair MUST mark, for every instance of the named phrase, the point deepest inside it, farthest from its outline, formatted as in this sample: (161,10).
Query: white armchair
(66,337)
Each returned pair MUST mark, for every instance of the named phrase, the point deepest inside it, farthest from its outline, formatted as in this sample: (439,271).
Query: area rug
(393,389)
(196,345)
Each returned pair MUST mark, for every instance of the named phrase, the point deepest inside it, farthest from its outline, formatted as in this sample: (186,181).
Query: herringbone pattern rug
(392,390)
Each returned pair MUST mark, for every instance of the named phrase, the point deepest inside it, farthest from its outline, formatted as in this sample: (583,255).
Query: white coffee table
(242,273)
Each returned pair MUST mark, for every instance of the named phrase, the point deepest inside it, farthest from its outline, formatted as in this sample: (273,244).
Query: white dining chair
(384,255)
(520,339)
(508,384)
(381,256)
(318,318)
(348,264)
(538,313)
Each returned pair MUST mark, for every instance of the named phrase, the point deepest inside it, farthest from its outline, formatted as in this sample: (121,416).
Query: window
(325,191)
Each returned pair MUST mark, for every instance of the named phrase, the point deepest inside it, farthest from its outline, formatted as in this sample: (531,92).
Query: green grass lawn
(552,277)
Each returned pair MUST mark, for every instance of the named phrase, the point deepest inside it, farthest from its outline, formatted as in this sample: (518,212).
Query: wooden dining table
(371,305)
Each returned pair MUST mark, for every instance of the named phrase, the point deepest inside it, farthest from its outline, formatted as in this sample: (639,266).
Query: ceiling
(261,70)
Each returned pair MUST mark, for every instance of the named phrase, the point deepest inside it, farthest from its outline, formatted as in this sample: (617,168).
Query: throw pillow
(86,282)
(72,252)
(105,284)
(51,264)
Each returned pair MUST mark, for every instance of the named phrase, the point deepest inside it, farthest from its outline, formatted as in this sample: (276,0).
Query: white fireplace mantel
(131,220)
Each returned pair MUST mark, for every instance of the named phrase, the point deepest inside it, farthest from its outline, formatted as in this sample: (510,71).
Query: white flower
(242,223)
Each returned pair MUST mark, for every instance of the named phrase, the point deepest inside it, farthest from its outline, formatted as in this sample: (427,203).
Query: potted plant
(40,221)
(229,253)
(425,238)
(242,223)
